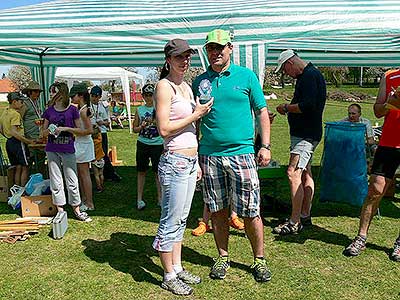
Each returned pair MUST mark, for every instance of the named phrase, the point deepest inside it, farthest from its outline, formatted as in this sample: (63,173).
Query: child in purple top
(60,150)
(64,142)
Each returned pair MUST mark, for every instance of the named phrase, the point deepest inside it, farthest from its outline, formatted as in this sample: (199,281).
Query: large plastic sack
(30,185)
(344,166)
(40,188)
(16,193)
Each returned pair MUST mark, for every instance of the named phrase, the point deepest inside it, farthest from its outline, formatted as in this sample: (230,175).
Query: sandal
(288,228)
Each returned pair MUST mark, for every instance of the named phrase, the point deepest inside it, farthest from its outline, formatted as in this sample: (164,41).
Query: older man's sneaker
(356,246)
(177,287)
(396,250)
(220,267)
(261,272)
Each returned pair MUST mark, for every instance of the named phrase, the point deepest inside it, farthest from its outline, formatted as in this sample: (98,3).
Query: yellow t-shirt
(9,118)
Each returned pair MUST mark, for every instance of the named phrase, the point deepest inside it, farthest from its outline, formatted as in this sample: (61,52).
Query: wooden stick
(28,228)
(33,218)
(18,225)
(18,222)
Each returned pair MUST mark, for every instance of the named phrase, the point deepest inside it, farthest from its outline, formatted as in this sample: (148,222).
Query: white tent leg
(125,87)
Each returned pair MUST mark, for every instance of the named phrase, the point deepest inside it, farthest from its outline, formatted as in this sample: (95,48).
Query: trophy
(205,89)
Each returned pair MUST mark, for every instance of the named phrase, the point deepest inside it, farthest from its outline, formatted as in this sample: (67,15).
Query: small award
(52,129)
(205,89)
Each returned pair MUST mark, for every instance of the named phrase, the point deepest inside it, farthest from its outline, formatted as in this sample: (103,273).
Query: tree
(375,73)
(20,76)
(153,74)
(131,69)
(190,74)
(336,75)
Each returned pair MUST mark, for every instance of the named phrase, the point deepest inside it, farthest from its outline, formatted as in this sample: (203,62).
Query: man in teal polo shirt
(227,150)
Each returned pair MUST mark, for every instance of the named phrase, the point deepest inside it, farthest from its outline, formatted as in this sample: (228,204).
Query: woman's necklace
(36,108)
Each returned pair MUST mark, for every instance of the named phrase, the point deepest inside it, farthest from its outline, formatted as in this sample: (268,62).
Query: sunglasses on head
(54,88)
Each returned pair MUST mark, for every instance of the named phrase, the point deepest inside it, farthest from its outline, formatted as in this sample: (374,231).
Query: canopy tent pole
(44,87)
(126,89)
(203,58)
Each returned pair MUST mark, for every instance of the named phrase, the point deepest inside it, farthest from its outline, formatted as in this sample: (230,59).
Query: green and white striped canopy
(133,32)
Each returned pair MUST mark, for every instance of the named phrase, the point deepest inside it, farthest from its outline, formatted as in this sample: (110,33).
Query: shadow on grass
(276,201)
(119,199)
(132,254)
(317,233)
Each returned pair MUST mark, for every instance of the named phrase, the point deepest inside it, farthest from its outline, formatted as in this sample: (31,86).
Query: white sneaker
(141,204)
(83,216)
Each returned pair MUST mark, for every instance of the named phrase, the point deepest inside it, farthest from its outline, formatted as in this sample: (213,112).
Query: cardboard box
(3,189)
(38,206)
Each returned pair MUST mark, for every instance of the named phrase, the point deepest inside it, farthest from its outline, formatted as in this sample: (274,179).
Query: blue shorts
(231,181)
(17,152)
(304,148)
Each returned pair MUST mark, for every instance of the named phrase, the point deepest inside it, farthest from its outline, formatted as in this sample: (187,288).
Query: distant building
(6,86)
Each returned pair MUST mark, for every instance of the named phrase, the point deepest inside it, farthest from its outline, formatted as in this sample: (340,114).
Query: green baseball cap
(218,36)
(14,96)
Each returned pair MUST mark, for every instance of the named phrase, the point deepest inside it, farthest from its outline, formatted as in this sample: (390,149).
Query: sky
(15,3)
(4,4)
(11,4)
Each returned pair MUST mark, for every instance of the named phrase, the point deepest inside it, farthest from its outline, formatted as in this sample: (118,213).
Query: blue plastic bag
(344,164)
(33,180)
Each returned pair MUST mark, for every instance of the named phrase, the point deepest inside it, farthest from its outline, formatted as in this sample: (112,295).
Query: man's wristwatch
(285,109)
(266,146)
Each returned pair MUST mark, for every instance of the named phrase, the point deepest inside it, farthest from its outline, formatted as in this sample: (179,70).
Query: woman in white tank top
(84,147)
(177,113)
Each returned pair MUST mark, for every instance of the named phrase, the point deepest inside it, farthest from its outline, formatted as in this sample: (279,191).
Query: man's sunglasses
(215,47)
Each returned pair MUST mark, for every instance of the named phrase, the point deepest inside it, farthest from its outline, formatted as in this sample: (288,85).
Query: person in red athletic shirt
(386,160)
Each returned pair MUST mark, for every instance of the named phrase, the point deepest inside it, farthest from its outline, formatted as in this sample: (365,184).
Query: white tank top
(83,138)
(181,108)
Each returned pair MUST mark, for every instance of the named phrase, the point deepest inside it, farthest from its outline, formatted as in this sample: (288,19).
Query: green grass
(112,257)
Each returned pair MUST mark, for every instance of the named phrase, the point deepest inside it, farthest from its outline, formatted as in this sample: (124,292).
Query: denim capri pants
(177,174)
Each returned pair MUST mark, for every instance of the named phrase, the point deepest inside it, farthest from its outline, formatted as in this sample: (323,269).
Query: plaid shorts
(231,181)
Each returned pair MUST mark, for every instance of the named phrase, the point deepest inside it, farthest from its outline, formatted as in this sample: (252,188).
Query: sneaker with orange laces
(201,229)
(236,223)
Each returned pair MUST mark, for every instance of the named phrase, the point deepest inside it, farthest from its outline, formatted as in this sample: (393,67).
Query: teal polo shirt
(228,129)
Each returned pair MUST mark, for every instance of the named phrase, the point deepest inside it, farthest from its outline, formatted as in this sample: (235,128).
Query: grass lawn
(112,257)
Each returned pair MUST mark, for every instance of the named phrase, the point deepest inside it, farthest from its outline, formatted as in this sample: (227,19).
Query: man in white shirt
(354,116)
(101,118)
